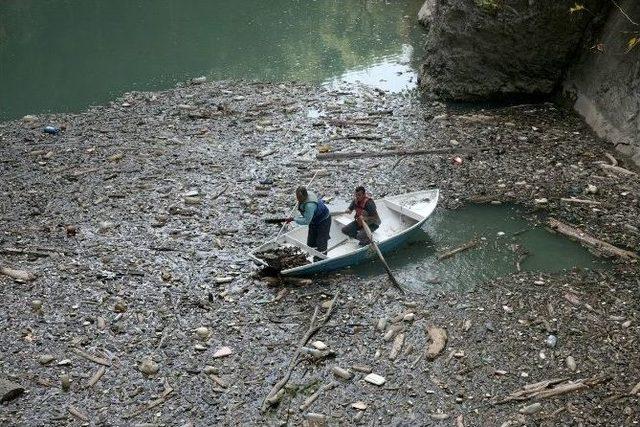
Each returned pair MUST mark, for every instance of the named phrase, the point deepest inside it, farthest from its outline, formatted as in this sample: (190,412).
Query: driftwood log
(276,393)
(552,388)
(391,153)
(470,244)
(591,241)
(25,276)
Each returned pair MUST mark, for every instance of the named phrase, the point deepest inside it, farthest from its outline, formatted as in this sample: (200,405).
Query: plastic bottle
(51,129)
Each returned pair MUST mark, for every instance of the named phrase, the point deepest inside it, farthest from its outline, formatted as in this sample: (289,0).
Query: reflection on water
(63,55)
(392,73)
(504,237)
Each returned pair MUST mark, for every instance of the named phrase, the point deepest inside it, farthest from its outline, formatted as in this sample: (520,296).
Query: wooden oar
(384,262)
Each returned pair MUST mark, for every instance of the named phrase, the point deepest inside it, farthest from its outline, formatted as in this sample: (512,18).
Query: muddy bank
(136,218)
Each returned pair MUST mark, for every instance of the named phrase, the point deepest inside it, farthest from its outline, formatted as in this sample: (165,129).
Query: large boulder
(426,12)
(490,49)
(604,83)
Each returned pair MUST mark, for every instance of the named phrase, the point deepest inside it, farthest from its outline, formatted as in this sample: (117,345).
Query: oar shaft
(377,250)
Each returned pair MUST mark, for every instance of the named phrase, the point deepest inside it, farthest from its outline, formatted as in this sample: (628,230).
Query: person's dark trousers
(354,231)
(318,236)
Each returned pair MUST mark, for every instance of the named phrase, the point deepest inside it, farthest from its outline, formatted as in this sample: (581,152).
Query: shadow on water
(504,237)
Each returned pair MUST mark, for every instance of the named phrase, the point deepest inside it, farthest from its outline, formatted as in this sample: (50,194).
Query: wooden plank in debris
(391,153)
(589,240)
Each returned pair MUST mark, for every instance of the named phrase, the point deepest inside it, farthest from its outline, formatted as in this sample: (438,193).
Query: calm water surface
(503,234)
(64,55)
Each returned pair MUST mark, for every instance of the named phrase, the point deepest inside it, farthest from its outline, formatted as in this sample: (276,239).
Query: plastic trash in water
(551,341)
(457,161)
(51,130)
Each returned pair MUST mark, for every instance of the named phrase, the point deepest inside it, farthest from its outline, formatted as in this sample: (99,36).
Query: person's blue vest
(322,211)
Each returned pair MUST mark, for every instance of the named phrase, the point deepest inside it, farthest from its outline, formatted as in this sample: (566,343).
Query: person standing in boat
(315,214)
(366,211)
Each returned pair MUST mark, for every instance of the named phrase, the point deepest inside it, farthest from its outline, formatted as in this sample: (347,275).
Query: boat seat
(344,219)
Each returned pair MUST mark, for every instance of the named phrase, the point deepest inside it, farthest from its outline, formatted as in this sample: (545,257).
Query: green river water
(65,55)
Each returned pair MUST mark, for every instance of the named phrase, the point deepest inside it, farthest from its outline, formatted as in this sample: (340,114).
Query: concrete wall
(604,84)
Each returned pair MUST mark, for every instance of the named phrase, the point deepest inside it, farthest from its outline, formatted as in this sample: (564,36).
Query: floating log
(25,276)
(367,137)
(551,388)
(78,413)
(309,401)
(588,240)
(391,153)
(96,377)
(612,159)
(617,169)
(573,200)
(470,244)
(95,359)
(17,251)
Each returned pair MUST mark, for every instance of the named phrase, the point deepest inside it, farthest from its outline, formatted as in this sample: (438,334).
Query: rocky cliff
(490,49)
(604,82)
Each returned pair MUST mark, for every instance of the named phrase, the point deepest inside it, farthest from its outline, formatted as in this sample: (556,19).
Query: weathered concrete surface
(604,83)
(484,49)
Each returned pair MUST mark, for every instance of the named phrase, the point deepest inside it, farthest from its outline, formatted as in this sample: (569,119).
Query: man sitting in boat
(366,211)
(314,213)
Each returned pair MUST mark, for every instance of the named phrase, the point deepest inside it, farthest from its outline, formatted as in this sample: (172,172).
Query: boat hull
(401,215)
(353,258)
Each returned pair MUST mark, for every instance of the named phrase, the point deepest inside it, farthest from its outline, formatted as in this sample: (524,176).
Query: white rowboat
(399,214)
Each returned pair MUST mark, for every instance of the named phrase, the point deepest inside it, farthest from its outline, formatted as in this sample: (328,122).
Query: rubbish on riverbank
(391,153)
(52,130)
(282,258)
(314,327)
(96,377)
(20,275)
(552,388)
(470,244)
(438,337)
(375,379)
(166,394)
(309,400)
(591,241)
(617,169)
